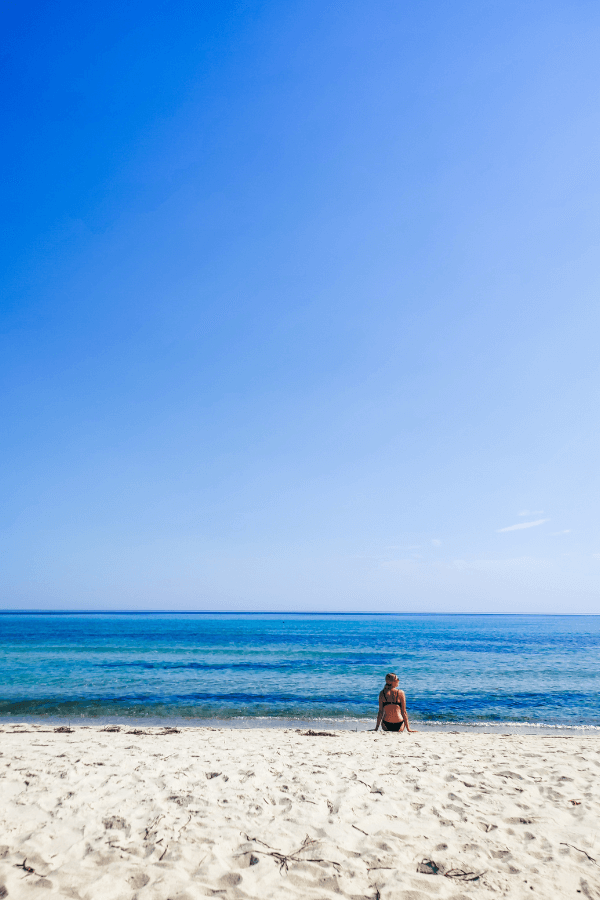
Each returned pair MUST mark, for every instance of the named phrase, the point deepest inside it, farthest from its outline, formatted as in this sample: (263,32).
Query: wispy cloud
(521,525)
(531,512)
(436,542)
(564,531)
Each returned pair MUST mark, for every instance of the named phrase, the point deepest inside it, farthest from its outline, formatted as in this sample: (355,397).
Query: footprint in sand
(115,822)
(591,891)
(230,880)
(138,880)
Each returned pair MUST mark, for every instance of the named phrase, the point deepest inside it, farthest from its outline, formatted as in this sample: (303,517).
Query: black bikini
(391,726)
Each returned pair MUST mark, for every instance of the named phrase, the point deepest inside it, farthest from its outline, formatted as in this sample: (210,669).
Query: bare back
(393,703)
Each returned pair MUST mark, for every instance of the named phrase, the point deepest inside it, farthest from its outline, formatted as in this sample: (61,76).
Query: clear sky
(300,305)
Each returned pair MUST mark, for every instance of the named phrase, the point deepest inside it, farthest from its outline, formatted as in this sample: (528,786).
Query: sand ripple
(264,814)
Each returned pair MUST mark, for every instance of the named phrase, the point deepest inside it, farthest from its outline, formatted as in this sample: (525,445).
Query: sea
(506,673)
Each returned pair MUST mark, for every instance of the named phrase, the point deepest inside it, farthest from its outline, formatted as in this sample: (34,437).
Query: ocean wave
(129,712)
(242,669)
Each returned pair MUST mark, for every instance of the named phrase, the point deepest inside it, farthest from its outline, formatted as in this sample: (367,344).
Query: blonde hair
(391,677)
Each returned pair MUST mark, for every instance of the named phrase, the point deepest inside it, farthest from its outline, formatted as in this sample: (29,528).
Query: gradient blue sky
(300,305)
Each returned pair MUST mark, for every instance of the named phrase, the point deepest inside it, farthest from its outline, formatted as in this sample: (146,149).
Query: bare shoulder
(401,694)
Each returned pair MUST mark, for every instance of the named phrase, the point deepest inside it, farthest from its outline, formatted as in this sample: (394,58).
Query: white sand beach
(200,812)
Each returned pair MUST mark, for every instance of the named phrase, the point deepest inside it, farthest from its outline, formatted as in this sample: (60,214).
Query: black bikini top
(390,702)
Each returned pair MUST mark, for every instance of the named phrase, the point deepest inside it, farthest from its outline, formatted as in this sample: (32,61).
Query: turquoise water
(469,670)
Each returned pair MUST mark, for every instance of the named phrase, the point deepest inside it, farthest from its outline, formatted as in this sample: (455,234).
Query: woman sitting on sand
(392,714)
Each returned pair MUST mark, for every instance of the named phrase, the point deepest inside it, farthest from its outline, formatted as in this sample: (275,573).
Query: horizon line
(258,612)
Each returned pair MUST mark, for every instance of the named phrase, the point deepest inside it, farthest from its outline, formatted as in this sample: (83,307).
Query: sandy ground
(201,812)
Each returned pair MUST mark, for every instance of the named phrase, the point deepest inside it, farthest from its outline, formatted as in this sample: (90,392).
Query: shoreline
(253,723)
(264,813)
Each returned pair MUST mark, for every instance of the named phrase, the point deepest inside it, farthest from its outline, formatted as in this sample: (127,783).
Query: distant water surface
(456,670)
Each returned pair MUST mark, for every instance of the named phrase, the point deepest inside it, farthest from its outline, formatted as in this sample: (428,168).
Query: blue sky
(300,306)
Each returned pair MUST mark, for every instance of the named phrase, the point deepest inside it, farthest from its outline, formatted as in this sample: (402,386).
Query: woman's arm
(380,713)
(402,700)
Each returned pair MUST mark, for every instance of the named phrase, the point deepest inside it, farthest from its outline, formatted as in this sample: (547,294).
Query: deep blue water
(541,670)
